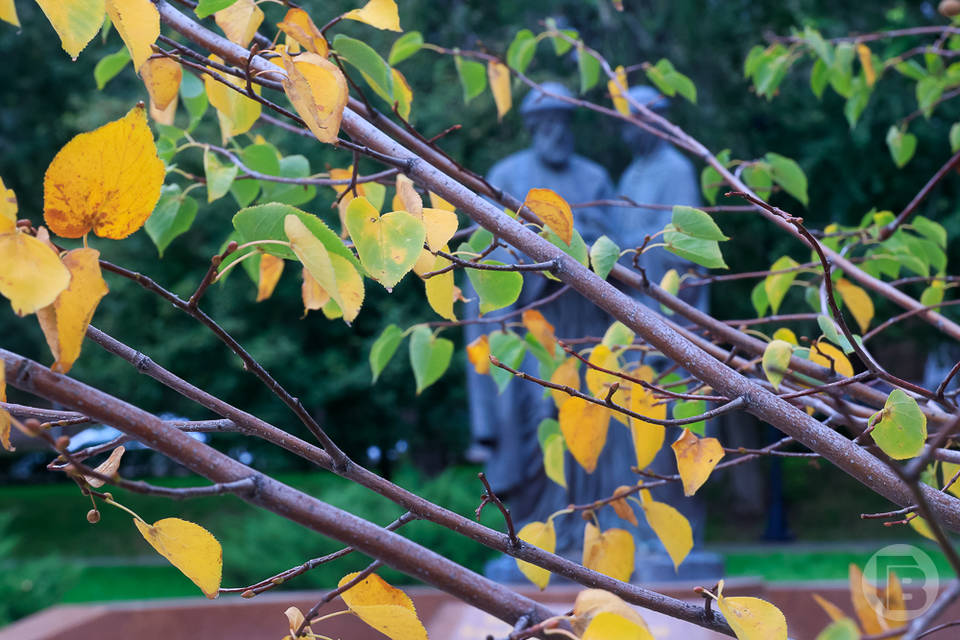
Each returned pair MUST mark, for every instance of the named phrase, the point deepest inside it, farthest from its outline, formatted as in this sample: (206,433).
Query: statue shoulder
(589,169)
(676,161)
(507,167)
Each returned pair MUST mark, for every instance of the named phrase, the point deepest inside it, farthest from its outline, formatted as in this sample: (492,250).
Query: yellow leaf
(922,527)
(857,301)
(318,91)
(566,374)
(594,602)
(75,21)
(894,609)
(240,21)
(542,330)
(672,528)
(753,618)
(552,210)
(424,263)
(190,548)
(835,612)
(478,353)
(138,23)
(65,322)
(382,14)
(410,200)
(270,269)
(440,224)
(385,608)
(314,296)
(164,116)
(599,382)
(823,353)
(107,180)
(333,272)
(499,76)
(8,209)
(106,468)
(439,203)
(619,101)
(162,78)
(609,552)
(295,619)
(31,274)
(4,414)
(866,61)
(543,535)
(584,427)
(402,93)
(863,595)
(622,507)
(786,335)
(298,25)
(440,290)
(554,463)
(235,112)
(696,458)
(8,12)
(949,470)
(610,626)
(647,437)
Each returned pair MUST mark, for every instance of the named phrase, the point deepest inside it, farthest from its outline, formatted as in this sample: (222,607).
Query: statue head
(548,120)
(642,142)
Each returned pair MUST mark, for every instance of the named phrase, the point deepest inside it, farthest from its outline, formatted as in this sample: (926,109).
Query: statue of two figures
(504,423)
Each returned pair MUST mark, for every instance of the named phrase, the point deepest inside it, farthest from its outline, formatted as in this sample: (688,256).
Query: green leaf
(841,71)
(955,137)
(843,629)
(931,230)
(479,240)
(219,175)
(389,245)
(928,91)
(521,50)
(831,333)
(670,82)
(561,46)
(209,7)
(752,61)
(789,176)
(759,177)
(776,285)
(860,93)
(588,68)
(547,427)
(758,297)
(173,215)
(508,348)
(404,47)
(933,294)
(902,429)
(473,77)
(821,47)
(688,409)
(618,335)
(194,98)
(696,223)
(912,70)
(776,361)
(262,158)
(819,76)
(109,66)
(770,73)
(383,349)
(497,289)
(553,459)
(603,255)
(429,356)
(710,178)
(697,250)
(577,249)
(368,62)
(671,284)
(902,145)
(295,166)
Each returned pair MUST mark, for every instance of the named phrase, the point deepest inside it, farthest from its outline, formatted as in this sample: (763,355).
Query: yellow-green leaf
(138,23)
(776,285)
(384,607)
(608,552)
(318,91)
(107,180)
(75,21)
(382,14)
(857,301)
(388,245)
(753,618)
(902,429)
(776,361)
(65,322)
(553,210)
(786,335)
(190,548)
(672,527)
(584,426)
(544,536)
(554,465)
(31,274)
(696,458)
(235,112)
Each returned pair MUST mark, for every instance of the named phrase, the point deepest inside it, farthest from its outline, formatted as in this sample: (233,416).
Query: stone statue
(505,424)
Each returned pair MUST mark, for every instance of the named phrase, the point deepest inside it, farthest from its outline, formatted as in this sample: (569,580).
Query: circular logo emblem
(917,574)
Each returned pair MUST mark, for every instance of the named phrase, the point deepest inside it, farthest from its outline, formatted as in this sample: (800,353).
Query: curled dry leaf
(478,353)
(318,91)
(190,548)
(271,268)
(107,180)
(106,468)
(622,507)
(385,608)
(696,458)
(298,26)
(314,296)
(65,322)
(295,620)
